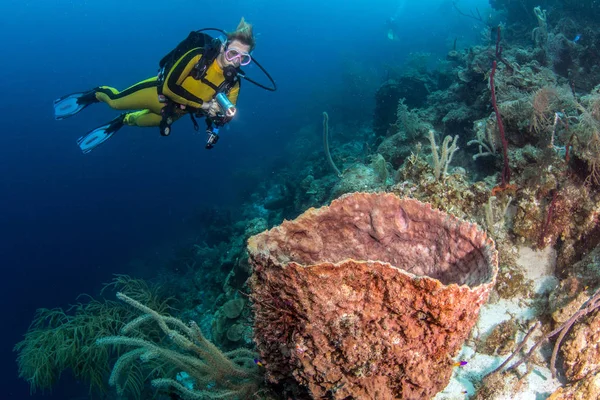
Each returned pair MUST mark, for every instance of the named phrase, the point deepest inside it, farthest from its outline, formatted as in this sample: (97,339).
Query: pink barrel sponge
(368,298)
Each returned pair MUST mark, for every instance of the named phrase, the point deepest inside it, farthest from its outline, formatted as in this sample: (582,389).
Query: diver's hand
(211,108)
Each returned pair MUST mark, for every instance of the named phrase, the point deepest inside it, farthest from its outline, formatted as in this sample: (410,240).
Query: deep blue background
(69,221)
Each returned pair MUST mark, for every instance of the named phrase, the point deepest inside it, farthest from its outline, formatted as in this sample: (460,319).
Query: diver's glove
(211,108)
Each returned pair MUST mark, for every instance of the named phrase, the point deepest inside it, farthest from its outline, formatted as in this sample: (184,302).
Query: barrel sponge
(369,297)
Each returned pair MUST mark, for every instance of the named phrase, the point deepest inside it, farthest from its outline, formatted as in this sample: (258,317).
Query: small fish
(460,364)
(258,362)
(577,37)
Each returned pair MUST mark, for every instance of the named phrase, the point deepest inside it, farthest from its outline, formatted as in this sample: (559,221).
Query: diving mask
(233,55)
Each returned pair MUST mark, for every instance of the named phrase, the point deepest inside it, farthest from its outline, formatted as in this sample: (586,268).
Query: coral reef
(209,372)
(366,178)
(585,389)
(581,356)
(529,174)
(411,89)
(59,340)
(373,303)
(497,386)
(229,327)
(501,340)
(455,194)
(504,133)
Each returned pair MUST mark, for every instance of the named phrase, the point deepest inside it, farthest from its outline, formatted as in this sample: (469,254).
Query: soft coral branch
(499,49)
(505,170)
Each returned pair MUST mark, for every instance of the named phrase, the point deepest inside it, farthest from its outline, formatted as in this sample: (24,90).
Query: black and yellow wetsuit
(182,85)
(189,77)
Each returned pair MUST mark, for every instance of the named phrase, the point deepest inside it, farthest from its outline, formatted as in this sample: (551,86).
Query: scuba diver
(200,77)
(392,26)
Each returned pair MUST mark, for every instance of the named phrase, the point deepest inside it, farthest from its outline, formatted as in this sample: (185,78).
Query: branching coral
(590,305)
(443,156)
(542,101)
(495,216)
(409,120)
(485,139)
(540,34)
(59,340)
(588,132)
(505,170)
(326,144)
(215,375)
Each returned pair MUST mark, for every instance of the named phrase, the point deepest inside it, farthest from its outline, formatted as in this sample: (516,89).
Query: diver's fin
(390,34)
(71,104)
(99,135)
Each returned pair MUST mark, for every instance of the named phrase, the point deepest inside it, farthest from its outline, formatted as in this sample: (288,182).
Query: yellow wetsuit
(179,86)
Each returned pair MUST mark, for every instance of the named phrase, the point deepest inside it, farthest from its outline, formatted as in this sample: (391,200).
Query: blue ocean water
(69,221)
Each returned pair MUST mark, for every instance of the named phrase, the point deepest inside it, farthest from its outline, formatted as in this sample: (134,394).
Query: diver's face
(236,54)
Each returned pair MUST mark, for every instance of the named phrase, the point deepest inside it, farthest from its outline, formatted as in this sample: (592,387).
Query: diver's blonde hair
(243,33)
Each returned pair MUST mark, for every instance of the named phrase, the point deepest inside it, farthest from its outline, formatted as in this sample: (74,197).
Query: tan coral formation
(581,351)
(368,298)
(575,215)
(585,389)
(567,299)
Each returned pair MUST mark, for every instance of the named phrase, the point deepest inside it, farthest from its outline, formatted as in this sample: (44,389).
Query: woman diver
(200,77)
